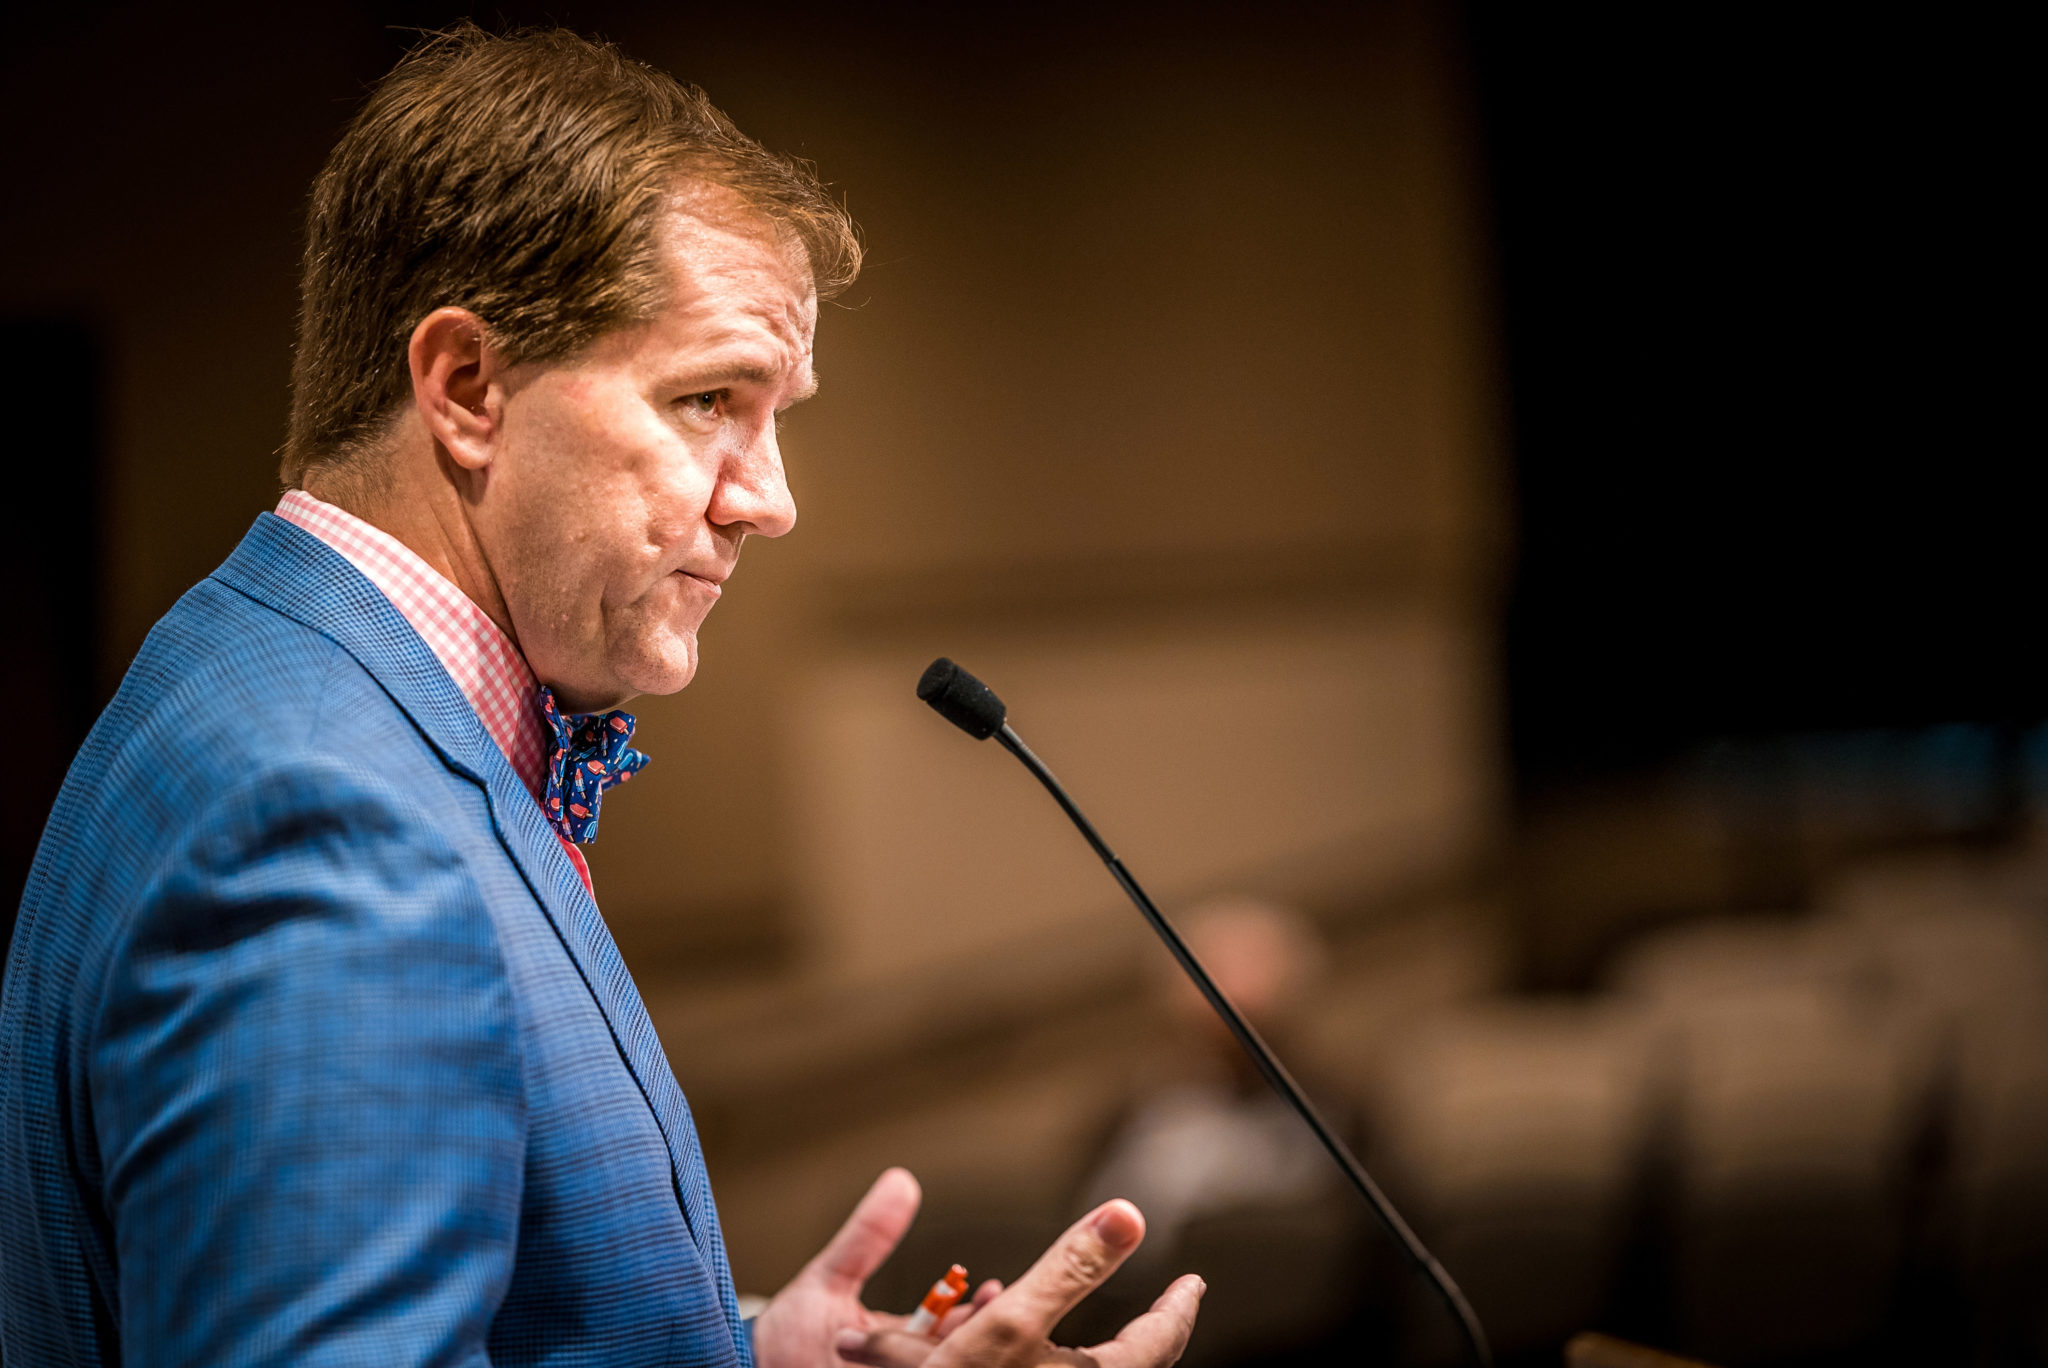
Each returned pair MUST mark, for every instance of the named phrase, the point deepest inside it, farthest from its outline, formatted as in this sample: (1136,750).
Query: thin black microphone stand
(1269,1067)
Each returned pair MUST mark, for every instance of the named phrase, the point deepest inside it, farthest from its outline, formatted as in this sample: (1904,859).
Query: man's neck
(412,496)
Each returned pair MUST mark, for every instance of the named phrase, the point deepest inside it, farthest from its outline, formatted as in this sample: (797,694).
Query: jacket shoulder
(223,688)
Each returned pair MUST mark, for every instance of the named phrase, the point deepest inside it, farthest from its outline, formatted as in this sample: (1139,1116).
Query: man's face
(626,478)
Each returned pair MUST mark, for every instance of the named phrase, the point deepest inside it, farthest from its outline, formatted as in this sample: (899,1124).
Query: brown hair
(520,177)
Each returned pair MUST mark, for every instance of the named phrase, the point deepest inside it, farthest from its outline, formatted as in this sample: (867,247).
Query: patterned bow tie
(587,754)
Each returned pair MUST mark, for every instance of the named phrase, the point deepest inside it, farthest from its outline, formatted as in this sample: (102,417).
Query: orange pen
(937,1302)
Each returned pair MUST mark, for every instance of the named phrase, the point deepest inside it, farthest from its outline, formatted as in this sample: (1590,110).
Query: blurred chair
(1384,979)
(1789,1100)
(1794,1119)
(1999,1180)
(1511,1134)
(1949,946)
(1960,948)
(1741,957)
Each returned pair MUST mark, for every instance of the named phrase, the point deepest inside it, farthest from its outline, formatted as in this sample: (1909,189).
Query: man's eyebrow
(752,373)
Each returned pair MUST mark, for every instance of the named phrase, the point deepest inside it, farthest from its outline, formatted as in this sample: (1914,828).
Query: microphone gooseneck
(973,707)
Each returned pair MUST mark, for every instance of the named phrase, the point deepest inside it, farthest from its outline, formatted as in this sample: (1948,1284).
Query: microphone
(973,707)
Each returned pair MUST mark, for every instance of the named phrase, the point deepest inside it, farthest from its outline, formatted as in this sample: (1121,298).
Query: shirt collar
(484,663)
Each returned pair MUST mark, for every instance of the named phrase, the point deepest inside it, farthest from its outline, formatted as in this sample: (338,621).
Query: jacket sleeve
(306,1088)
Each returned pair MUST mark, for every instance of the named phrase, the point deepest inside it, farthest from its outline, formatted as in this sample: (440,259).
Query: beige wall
(1330,756)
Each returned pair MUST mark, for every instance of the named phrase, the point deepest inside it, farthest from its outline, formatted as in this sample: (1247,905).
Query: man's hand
(1010,1328)
(800,1327)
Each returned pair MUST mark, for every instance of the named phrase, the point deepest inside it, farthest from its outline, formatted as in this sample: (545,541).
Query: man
(314,1048)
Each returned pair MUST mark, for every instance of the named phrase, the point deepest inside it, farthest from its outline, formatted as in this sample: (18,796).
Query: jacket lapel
(533,845)
(302,577)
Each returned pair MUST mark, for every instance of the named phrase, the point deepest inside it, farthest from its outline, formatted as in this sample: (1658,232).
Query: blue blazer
(314,1049)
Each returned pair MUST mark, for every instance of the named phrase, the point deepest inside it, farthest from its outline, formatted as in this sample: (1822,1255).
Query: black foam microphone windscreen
(961,699)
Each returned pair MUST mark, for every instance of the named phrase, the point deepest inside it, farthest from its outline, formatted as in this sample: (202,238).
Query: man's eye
(705,403)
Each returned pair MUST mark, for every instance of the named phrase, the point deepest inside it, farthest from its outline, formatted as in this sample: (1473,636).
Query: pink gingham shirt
(479,657)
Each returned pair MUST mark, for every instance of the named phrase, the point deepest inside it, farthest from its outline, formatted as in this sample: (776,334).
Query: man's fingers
(874,1228)
(1074,1266)
(957,1317)
(1156,1338)
(882,1348)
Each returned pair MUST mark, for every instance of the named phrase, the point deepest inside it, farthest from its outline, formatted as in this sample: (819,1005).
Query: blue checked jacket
(313,1048)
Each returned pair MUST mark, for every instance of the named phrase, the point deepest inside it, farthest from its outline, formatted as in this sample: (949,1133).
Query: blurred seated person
(1216,1138)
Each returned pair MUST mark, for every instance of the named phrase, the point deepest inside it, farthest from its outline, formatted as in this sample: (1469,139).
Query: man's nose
(753,494)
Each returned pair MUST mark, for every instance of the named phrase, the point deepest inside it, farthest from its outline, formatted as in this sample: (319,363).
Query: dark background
(1762,293)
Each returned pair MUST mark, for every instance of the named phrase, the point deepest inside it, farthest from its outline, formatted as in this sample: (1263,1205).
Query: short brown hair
(520,177)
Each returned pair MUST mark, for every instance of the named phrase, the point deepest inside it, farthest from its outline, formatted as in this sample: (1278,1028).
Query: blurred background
(1519,523)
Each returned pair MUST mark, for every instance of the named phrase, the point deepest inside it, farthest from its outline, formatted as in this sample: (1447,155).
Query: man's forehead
(703,219)
(722,255)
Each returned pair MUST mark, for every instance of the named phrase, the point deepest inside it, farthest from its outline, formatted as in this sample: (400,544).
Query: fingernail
(1119,1224)
(1201,1288)
(850,1342)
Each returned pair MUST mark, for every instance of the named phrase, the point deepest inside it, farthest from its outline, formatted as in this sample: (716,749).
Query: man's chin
(657,676)
(662,672)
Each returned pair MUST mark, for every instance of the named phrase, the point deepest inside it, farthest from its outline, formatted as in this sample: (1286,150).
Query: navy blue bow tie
(587,754)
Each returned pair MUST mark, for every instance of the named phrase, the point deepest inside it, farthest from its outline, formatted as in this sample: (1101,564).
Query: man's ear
(454,368)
